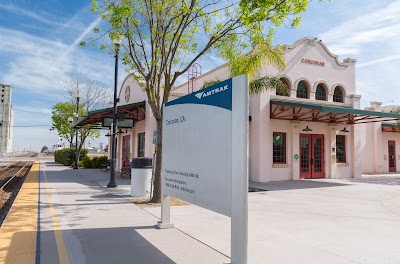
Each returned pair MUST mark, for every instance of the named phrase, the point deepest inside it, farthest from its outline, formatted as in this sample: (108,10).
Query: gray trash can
(141,172)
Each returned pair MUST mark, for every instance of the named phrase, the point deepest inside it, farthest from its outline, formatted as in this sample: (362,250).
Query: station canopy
(95,118)
(295,109)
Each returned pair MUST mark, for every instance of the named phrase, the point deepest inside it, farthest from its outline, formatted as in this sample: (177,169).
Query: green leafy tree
(92,96)
(62,113)
(163,39)
(59,115)
(44,148)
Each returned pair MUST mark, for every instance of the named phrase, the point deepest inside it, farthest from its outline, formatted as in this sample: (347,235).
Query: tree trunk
(158,164)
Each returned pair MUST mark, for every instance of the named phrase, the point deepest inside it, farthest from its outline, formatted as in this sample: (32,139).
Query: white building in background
(6,119)
(312,129)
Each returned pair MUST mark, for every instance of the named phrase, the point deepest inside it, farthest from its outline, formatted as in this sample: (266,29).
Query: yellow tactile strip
(19,230)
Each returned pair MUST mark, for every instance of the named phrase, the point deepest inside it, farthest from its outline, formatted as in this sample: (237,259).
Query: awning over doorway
(312,111)
(94,118)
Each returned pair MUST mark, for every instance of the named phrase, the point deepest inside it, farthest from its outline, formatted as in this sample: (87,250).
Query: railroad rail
(8,166)
(12,171)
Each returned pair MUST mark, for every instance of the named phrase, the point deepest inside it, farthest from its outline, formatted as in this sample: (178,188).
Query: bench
(106,165)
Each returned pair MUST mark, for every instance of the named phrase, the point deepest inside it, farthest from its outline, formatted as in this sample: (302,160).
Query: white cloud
(38,63)
(372,38)
(352,35)
(35,64)
(44,17)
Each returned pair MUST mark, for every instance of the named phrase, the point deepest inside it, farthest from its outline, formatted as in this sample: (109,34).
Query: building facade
(6,119)
(312,129)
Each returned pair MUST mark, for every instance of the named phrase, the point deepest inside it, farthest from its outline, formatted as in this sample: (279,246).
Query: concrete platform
(312,222)
(83,222)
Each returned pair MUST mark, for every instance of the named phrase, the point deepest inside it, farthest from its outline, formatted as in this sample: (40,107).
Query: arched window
(320,93)
(285,91)
(338,95)
(302,90)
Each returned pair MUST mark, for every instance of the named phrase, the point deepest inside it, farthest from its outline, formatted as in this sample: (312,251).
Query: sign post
(205,156)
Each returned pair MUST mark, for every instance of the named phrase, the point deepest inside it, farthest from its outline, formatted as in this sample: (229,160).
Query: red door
(312,163)
(392,155)
(126,151)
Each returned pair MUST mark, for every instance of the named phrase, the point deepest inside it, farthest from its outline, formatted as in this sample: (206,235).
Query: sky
(39,45)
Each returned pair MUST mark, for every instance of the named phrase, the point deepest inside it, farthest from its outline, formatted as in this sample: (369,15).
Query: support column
(261,138)
(378,139)
(356,139)
(356,132)
(332,151)
(295,149)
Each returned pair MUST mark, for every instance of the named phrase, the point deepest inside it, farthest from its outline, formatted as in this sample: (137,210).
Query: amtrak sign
(208,93)
(205,155)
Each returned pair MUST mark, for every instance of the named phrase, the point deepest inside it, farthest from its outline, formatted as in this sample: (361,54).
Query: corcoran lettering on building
(214,91)
(314,62)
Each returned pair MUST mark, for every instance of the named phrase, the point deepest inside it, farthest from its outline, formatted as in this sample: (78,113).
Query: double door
(312,162)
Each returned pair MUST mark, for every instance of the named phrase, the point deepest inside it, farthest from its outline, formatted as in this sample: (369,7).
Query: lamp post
(76,133)
(70,120)
(112,183)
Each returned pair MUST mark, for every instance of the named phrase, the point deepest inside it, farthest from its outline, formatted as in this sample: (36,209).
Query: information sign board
(205,154)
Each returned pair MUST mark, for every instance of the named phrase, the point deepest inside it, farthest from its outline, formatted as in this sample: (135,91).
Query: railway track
(9,173)
(11,180)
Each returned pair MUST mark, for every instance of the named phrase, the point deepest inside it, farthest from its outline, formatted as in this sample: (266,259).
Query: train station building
(313,129)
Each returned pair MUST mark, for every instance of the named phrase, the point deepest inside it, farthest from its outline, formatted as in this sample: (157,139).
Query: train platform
(70,217)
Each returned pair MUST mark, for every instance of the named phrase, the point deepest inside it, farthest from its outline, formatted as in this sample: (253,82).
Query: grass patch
(251,189)
(144,203)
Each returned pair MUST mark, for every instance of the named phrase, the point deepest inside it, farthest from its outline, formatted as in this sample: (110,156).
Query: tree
(44,148)
(92,96)
(59,115)
(163,39)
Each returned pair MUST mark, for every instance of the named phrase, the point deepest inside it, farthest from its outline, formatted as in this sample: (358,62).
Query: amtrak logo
(214,91)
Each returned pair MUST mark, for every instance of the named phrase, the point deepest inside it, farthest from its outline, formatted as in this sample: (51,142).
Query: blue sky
(39,44)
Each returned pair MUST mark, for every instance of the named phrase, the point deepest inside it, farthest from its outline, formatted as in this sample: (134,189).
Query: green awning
(94,118)
(313,111)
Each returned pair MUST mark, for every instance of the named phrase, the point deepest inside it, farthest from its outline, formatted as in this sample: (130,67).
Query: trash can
(141,171)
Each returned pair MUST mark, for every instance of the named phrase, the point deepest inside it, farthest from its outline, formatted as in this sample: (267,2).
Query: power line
(32,126)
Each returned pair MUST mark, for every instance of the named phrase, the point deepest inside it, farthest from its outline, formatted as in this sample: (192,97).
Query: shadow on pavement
(293,185)
(97,246)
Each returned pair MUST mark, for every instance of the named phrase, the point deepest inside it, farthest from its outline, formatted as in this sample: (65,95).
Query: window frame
(344,149)
(307,87)
(284,148)
(340,89)
(321,85)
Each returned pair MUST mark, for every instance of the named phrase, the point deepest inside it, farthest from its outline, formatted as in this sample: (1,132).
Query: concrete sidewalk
(311,222)
(82,222)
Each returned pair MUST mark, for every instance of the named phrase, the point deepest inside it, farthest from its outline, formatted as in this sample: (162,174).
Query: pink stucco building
(314,129)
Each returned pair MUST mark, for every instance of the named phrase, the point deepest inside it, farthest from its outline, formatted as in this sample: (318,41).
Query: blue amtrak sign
(219,95)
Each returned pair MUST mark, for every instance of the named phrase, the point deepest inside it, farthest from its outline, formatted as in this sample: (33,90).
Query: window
(341,149)
(285,91)
(302,90)
(279,147)
(338,95)
(141,145)
(320,93)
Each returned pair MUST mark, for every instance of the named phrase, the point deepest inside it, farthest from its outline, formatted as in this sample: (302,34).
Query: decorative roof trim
(346,62)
